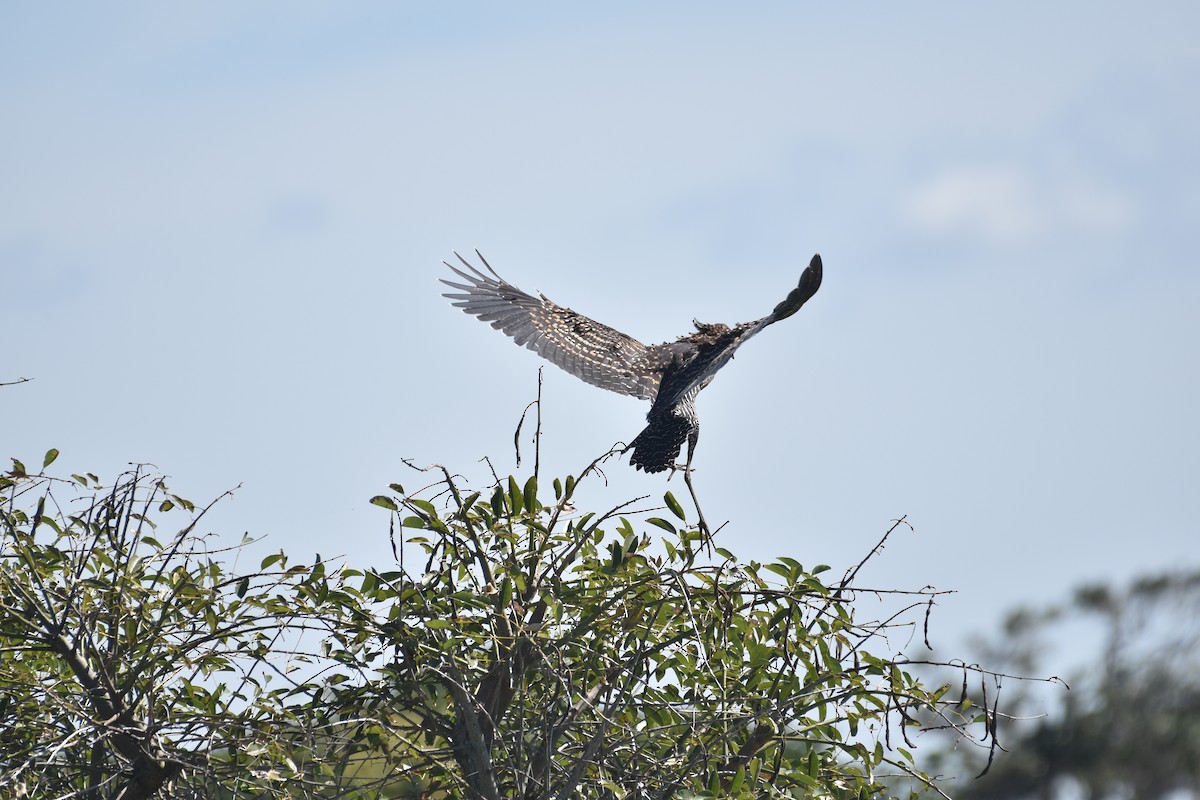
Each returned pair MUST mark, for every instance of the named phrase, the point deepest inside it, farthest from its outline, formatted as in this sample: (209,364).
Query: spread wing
(686,379)
(590,351)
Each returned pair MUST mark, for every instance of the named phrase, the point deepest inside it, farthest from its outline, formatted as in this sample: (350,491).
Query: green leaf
(271,559)
(469,503)
(51,454)
(618,555)
(815,585)
(165,505)
(385,502)
(243,586)
(557,489)
(397,488)
(498,502)
(779,570)
(425,506)
(531,493)
(514,494)
(739,778)
(662,523)
(673,504)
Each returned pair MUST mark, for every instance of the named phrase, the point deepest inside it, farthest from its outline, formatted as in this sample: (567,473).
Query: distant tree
(1130,726)
(517,649)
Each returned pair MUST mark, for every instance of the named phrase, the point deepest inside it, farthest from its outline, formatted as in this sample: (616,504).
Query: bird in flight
(670,375)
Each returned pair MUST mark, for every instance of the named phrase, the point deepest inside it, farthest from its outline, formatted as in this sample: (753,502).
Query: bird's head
(713,328)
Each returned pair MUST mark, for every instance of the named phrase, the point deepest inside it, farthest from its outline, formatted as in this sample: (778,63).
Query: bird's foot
(684,468)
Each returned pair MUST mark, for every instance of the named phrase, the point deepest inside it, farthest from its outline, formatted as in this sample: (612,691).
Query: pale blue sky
(221,228)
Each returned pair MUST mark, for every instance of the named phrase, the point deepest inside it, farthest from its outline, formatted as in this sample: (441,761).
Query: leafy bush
(518,648)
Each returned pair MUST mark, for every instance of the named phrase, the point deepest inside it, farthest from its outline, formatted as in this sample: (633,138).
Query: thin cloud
(1007,205)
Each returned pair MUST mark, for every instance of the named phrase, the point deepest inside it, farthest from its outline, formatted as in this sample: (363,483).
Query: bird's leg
(693,437)
(686,468)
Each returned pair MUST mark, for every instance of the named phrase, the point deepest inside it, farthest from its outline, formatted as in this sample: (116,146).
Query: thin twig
(849,577)
(537,433)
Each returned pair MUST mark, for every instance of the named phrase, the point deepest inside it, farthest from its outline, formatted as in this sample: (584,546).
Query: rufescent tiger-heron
(670,375)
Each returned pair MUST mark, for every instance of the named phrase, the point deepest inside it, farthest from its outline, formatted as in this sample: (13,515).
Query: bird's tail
(657,447)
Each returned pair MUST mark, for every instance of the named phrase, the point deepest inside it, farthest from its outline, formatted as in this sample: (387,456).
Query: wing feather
(697,370)
(593,352)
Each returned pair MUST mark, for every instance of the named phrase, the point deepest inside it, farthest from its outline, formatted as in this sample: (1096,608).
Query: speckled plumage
(669,374)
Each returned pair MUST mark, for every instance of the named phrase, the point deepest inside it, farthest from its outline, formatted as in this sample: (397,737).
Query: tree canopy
(517,648)
(1130,726)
